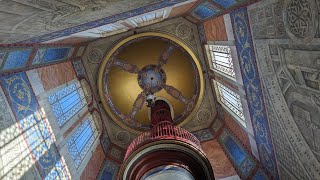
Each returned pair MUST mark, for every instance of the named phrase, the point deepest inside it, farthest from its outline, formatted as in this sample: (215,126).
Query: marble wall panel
(95,164)
(56,75)
(220,163)
(239,132)
(215,29)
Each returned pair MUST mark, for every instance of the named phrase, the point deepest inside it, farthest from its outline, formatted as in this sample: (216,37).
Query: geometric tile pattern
(34,126)
(251,81)
(242,161)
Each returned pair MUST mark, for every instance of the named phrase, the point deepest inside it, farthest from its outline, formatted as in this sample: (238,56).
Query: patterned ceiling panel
(204,11)
(42,20)
(212,8)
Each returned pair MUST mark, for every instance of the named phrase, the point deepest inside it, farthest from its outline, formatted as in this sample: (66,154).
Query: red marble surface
(215,29)
(56,75)
(94,165)
(239,132)
(181,10)
(220,163)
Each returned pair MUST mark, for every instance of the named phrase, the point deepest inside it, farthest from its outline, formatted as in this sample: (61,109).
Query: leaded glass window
(81,140)
(232,100)
(67,102)
(221,59)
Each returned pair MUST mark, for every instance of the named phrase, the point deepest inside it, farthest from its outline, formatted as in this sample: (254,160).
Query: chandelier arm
(175,93)
(131,68)
(164,57)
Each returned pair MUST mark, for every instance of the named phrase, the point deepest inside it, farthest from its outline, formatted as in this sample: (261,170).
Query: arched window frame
(60,94)
(234,83)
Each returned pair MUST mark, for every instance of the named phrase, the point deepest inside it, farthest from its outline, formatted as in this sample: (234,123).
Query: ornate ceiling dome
(149,63)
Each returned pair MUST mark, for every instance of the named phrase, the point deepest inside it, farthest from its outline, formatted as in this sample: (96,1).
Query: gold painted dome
(149,63)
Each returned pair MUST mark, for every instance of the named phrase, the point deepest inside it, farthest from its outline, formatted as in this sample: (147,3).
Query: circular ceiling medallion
(149,63)
(152,78)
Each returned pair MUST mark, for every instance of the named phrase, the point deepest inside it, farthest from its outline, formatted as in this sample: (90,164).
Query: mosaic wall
(15,162)
(243,162)
(288,60)
(109,170)
(251,81)
(237,154)
(20,58)
(34,126)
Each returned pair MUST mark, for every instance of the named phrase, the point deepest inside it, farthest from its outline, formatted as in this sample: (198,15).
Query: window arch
(231,100)
(66,102)
(81,140)
(221,59)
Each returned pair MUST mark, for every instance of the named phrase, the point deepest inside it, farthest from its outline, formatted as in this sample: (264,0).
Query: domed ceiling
(144,63)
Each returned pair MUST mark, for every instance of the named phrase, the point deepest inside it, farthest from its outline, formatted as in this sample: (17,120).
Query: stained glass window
(221,59)
(81,140)
(232,100)
(67,102)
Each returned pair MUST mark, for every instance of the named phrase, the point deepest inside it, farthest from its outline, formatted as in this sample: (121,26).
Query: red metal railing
(163,131)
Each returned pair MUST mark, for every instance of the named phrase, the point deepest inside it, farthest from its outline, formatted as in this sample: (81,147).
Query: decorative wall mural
(267,21)
(251,81)
(46,20)
(289,71)
(34,126)
(15,161)
(153,74)
(300,18)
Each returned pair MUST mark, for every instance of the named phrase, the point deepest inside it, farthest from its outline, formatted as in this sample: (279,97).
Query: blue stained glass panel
(81,141)
(235,151)
(66,102)
(17,59)
(225,3)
